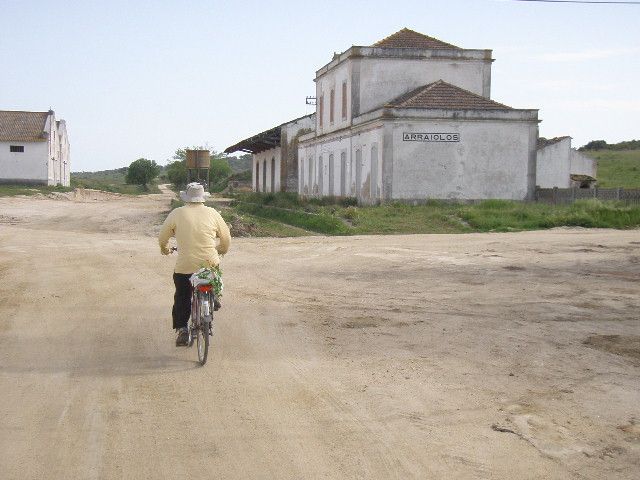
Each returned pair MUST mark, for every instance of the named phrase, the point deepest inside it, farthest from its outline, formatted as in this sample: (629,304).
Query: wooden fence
(570,195)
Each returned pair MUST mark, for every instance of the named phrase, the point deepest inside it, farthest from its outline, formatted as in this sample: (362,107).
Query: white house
(34,148)
(559,165)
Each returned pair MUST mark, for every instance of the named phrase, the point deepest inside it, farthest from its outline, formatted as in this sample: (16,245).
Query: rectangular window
(16,148)
(344,100)
(332,98)
(321,109)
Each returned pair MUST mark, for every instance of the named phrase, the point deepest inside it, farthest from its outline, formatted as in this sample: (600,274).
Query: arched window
(320,176)
(374,172)
(273,174)
(331,175)
(264,175)
(343,174)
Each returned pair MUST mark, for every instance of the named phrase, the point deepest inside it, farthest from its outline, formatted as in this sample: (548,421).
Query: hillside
(617,168)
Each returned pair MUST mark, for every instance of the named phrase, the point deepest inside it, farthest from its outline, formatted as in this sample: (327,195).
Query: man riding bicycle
(195,227)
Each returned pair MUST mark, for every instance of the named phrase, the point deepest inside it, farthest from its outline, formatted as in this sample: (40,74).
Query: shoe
(182,340)
(216,305)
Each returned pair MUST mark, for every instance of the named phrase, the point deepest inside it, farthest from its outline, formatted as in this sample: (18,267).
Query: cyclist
(195,227)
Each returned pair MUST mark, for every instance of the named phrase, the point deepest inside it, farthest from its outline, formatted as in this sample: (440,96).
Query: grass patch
(617,168)
(320,222)
(107,185)
(11,190)
(515,216)
(285,215)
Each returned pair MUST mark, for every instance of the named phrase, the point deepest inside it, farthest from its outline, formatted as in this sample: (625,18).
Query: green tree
(142,171)
(595,145)
(177,173)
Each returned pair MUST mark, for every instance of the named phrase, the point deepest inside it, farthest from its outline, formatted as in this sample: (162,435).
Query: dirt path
(476,356)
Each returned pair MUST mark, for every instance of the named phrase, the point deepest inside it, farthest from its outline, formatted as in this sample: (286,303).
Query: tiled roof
(545,142)
(443,95)
(407,38)
(22,126)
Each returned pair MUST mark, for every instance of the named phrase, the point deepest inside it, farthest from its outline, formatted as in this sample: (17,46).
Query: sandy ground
(430,356)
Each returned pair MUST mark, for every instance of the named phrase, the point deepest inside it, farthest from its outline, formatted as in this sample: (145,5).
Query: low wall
(569,195)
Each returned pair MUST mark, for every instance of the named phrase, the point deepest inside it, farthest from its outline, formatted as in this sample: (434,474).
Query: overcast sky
(143,78)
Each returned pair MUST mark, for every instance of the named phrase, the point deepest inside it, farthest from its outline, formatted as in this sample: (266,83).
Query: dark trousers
(181,300)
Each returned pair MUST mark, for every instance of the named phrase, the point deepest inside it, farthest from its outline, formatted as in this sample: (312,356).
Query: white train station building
(408,118)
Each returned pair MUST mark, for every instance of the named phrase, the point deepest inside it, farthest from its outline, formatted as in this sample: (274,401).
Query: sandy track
(469,356)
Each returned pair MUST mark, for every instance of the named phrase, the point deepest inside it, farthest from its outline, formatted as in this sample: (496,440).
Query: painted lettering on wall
(430,137)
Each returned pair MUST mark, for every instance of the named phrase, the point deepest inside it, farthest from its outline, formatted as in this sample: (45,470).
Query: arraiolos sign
(430,137)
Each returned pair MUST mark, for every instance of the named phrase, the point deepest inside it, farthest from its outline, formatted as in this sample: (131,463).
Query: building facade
(411,118)
(34,148)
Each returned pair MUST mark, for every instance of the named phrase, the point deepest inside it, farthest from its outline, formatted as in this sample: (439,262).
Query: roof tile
(442,95)
(407,38)
(22,126)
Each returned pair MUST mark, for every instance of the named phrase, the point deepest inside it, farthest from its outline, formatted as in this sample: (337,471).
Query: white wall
(271,157)
(333,79)
(582,164)
(491,160)
(316,157)
(553,167)
(384,79)
(30,166)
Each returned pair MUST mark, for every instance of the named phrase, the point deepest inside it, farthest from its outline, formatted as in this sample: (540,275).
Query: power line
(578,1)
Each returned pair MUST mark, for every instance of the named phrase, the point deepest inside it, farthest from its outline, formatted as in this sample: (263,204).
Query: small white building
(559,165)
(34,148)
(275,155)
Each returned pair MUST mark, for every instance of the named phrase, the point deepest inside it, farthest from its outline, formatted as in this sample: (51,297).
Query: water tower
(198,164)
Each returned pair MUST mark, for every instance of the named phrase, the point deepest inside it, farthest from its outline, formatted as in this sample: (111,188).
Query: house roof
(407,38)
(443,95)
(23,126)
(545,142)
(262,141)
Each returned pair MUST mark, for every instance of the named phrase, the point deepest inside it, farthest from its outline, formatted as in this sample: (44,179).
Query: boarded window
(332,99)
(321,109)
(16,148)
(344,100)
(310,175)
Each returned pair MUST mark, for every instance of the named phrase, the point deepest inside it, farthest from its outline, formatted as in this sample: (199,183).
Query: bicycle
(201,321)
(200,325)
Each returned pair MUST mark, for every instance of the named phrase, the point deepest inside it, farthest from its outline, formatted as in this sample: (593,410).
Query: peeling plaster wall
(289,151)
(553,165)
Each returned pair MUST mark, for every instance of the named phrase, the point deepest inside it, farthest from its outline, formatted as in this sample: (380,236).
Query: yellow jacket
(196,228)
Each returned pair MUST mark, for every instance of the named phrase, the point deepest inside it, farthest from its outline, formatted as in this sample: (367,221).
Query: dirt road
(434,356)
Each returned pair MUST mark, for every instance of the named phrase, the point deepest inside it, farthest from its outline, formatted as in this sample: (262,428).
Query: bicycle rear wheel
(202,332)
